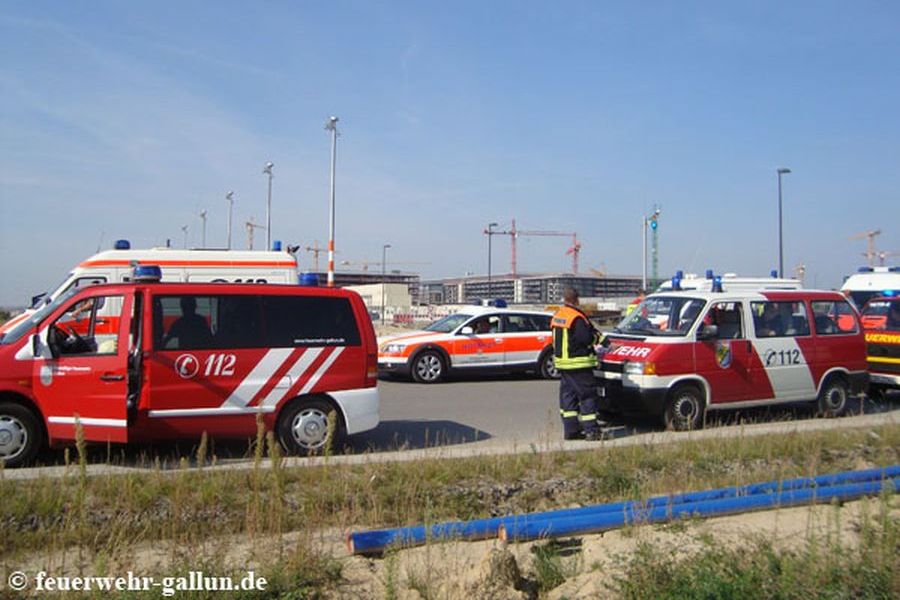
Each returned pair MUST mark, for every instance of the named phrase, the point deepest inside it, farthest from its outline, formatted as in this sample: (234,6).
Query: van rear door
(86,376)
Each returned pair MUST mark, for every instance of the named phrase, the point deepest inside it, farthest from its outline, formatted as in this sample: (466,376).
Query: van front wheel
(684,409)
(20,435)
(310,427)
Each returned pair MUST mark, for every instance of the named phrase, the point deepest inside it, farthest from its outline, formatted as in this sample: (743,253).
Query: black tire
(428,367)
(685,409)
(21,436)
(546,367)
(302,427)
(832,400)
(877,393)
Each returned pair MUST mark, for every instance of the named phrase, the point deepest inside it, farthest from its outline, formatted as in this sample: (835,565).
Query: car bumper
(360,408)
(394,365)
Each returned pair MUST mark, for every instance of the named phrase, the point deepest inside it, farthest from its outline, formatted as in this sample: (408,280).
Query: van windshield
(16,333)
(662,315)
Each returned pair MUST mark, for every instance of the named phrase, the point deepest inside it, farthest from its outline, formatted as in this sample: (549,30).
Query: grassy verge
(100,520)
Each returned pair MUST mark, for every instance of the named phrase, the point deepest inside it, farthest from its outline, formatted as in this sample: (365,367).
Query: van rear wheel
(20,435)
(833,398)
(684,409)
(303,427)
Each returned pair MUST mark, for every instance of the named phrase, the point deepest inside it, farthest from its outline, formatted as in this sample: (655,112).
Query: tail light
(371,369)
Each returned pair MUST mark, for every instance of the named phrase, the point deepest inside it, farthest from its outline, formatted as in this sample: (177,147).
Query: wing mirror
(467,331)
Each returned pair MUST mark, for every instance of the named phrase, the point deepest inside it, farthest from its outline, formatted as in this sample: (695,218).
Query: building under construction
(544,288)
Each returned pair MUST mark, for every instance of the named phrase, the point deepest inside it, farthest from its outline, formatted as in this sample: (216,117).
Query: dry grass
(279,518)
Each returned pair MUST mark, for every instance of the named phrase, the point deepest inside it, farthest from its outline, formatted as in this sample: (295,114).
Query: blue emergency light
(774,273)
(865,270)
(709,273)
(717,283)
(146,273)
(889,293)
(276,245)
(122,245)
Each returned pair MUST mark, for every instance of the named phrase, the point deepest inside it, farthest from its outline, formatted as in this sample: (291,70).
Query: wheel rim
(835,398)
(429,367)
(550,367)
(685,410)
(310,428)
(13,437)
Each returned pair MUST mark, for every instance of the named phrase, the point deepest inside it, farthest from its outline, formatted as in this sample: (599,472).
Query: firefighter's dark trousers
(578,402)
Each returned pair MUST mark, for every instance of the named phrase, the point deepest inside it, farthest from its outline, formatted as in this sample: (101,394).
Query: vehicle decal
(187,366)
(258,377)
(57,420)
(723,354)
(228,264)
(295,372)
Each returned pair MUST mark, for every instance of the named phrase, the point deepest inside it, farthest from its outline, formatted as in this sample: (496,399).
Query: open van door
(81,366)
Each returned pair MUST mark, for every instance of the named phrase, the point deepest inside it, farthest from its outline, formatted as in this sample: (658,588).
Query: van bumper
(359,407)
(626,400)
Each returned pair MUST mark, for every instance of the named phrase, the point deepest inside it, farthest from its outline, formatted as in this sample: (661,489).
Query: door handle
(498,340)
(112,377)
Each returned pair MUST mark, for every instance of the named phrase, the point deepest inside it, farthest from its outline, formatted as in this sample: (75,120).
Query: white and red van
(192,266)
(682,353)
(188,358)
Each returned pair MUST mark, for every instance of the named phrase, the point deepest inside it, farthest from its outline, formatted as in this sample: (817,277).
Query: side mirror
(467,331)
(707,332)
(38,348)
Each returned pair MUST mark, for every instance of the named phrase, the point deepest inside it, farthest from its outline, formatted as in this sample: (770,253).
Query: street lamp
(230,197)
(331,125)
(781,171)
(184,230)
(383,276)
(490,233)
(203,236)
(650,220)
(268,171)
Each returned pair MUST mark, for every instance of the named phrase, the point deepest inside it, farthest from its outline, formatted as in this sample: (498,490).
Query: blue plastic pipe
(533,529)
(372,542)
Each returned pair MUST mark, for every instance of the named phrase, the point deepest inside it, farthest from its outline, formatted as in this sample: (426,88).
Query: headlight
(639,368)
(392,348)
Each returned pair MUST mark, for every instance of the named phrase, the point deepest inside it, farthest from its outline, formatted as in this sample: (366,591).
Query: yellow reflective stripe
(568,414)
(875,359)
(587,417)
(579,362)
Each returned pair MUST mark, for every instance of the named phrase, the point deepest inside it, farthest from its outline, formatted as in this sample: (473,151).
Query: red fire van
(682,353)
(187,358)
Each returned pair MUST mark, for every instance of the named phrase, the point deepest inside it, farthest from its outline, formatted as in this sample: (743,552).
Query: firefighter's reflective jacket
(573,340)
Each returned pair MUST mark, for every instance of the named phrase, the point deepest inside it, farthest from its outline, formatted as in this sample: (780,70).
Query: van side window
(832,317)
(726,316)
(309,321)
(185,322)
(779,319)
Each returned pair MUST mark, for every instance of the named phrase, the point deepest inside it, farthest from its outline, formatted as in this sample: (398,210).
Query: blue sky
(125,119)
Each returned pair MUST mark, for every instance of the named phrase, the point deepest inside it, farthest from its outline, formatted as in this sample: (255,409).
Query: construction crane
(870,252)
(316,250)
(883,255)
(251,226)
(514,233)
(366,263)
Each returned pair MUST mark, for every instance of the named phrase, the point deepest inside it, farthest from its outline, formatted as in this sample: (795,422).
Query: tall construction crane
(514,233)
(871,254)
(251,226)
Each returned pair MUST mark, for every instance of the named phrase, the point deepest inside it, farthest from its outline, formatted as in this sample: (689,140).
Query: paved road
(489,415)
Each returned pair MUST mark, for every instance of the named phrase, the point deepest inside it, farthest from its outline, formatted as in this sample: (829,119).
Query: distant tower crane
(871,254)
(514,233)
(250,227)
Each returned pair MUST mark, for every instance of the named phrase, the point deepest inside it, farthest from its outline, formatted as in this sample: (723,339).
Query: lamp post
(645,221)
(781,171)
(490,233)
(383,276)
(203,229)
(184,230)
(230,197)
(267,170)
(331,125)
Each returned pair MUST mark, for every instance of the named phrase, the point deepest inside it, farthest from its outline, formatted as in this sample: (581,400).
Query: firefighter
(574,339)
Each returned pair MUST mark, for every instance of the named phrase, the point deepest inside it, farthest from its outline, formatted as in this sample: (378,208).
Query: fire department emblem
(187,366)
(723,354)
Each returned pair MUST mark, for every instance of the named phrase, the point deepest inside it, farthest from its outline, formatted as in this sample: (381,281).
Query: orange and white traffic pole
(331,126)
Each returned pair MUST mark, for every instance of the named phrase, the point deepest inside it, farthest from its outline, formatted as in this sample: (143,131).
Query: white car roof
(474,311)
